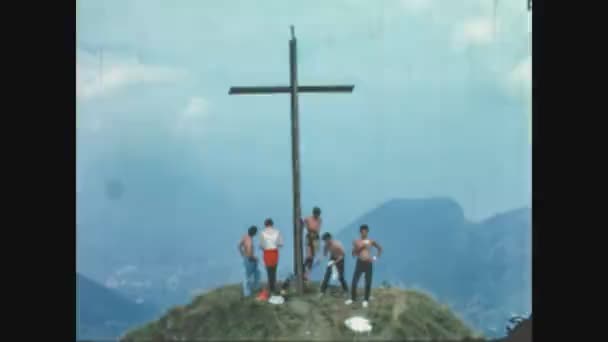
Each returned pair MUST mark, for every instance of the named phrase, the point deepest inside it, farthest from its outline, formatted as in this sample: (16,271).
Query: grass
(222,314)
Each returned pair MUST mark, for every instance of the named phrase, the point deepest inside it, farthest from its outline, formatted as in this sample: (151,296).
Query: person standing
(361,249)
(270,242)
(250,261)
(313,231)
(336,255)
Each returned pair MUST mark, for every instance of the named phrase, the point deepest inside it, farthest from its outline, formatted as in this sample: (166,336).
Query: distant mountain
(102,313)
(483,270)
(502,246)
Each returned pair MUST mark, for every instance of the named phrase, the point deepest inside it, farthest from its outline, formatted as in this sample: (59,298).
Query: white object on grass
(276,300)
(364,303)
(348,302)
(358,324)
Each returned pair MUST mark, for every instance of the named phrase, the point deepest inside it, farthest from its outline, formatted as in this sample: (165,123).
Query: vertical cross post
(294,89)
(295,164)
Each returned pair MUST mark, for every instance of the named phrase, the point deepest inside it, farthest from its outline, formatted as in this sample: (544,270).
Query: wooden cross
(294,89)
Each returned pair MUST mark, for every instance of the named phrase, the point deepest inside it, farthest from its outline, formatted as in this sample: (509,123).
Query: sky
(441,107)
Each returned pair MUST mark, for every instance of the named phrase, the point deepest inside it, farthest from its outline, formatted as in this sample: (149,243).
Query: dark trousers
(272,277)
(308,264)
(340,267)
(362,267)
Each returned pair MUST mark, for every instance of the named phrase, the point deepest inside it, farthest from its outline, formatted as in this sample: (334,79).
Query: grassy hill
(222,314)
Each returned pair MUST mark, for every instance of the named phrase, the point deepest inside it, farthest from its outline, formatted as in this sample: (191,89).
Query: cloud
(125,270)
(519,80)
(521,75)
(125,92)
(212,47)
(196,107)
(100,74)
(193,118)
(172,282)
(474,32)
(519,84)
(140,284)
(112,283)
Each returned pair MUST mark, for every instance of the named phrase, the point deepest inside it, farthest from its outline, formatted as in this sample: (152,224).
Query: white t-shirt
(271,238)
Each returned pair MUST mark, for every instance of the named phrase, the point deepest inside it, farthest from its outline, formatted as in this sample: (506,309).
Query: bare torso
(362,249)
(313,225)
(247,246)
(335,249)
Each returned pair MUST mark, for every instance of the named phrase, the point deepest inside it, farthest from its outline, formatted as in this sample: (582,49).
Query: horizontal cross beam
(287,89)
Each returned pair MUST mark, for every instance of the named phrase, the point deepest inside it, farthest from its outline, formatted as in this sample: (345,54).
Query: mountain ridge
(483,268)
(105,313)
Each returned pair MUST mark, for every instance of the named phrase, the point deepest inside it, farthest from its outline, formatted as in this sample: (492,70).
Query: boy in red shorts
(270,242)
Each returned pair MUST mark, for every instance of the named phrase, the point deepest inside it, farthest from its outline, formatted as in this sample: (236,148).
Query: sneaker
(364,304)
(348,302)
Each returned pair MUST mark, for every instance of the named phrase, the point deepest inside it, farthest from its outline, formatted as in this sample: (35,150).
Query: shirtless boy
(361,249)
(313,230)
(250,261)
(336,257)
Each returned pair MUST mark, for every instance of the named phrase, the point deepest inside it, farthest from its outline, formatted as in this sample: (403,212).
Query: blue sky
(441,106)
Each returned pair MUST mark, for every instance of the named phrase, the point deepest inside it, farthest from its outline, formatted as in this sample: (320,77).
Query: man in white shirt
(270,242)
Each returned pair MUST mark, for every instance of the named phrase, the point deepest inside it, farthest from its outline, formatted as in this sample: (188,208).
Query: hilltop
(223,314)
(481,269)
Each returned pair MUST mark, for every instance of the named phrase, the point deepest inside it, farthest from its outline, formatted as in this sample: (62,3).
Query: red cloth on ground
(263,295)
